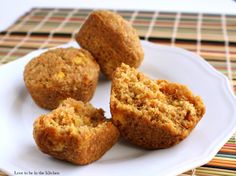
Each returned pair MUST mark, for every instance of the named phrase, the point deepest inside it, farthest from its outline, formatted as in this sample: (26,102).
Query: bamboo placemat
(213,36)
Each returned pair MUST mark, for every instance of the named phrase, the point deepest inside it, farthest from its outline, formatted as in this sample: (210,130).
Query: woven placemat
(213,36)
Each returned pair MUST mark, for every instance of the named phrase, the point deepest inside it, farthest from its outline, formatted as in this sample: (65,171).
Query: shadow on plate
(40,161)
(23,104)
(20,97)
(122,151)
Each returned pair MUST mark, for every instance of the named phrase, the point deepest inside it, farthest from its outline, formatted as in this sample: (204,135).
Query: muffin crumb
(152,114)
(75,132)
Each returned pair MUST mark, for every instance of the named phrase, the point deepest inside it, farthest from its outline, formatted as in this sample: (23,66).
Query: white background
(10,10)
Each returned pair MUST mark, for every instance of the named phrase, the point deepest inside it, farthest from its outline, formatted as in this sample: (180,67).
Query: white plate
(18,152)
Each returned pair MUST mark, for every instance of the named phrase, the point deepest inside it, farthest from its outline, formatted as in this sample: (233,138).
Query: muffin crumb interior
(74,117)
(159,101)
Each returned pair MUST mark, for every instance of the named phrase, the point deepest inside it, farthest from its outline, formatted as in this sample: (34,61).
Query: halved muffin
(152,114)
(75,132)
(61,73)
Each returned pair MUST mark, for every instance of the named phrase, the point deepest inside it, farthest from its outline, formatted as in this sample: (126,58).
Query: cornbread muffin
(61,73)
(111,40)
(152,114)
(75,132)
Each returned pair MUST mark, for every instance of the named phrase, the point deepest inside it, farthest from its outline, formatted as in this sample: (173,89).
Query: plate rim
(207,155)
(210,152)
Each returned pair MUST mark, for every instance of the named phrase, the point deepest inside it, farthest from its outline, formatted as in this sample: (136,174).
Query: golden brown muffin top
(119,28)
(114,21)
(159,101)
(119,33)
(61,66)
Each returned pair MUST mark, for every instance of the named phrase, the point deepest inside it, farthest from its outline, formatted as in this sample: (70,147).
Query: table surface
(10,10)
(213,36)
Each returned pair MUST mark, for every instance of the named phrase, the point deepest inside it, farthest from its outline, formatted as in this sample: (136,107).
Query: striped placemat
(213,36)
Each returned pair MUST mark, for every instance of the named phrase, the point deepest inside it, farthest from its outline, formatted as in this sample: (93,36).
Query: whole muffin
(111,40)
(75,132)
(61,73)
(152,114)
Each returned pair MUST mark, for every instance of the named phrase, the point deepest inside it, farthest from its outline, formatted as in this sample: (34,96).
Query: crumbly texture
(152,114)
(111,40)
(75,132)
(59,74)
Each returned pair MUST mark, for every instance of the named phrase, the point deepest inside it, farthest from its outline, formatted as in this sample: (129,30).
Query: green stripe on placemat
(213,36)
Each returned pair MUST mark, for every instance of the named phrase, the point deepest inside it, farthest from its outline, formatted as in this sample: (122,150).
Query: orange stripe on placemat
(228,150)
(222,163)
(209,171)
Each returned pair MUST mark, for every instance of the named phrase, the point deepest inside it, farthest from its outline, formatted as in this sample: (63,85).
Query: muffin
(111,40)
(59,74)
(152,114)
(75,132)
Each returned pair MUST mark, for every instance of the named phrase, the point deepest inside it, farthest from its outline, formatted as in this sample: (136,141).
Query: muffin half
(111,40)
(152,114)
(75,132)
(59,74)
